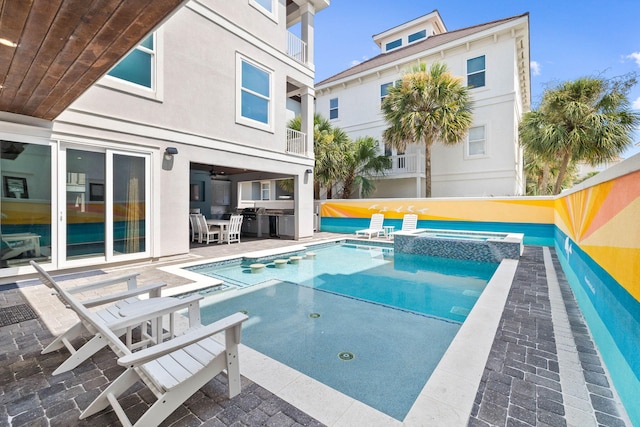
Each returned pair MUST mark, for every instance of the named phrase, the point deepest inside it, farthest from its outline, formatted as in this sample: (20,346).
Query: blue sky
(569,38)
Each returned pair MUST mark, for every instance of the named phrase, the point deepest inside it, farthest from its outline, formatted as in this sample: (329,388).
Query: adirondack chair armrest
(130,279)
(119,296)
(166,305)
(157,351)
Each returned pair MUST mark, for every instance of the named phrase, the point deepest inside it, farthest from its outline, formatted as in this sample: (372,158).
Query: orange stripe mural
(604,221)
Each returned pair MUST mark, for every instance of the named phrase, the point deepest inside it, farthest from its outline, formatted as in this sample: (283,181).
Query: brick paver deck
(543,370)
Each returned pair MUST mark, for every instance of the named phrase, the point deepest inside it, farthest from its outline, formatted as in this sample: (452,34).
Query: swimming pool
(357,318)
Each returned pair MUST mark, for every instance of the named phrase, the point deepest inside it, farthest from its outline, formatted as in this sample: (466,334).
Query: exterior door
(104,211)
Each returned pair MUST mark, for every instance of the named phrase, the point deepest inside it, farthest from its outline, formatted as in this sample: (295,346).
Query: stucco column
(307,12)
(303,203)
(307,95)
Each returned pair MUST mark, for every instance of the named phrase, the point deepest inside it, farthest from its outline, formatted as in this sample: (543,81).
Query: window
(265,190)
(254,107)
(394,44)
(384,89)
(476,142)
(138,67)
(417,36)
(333,108)
(476,72)
(268,7)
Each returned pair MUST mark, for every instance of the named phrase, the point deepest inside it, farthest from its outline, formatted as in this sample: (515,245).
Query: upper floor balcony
(405,164)
(296,48)
(296,143)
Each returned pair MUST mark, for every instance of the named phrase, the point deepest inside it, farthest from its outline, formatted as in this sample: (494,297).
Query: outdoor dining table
(222,223)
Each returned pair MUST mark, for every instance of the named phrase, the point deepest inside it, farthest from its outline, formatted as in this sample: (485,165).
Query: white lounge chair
(409,223)
(232,232)
(150,311)
(207,233)
(375,227)
(173,370)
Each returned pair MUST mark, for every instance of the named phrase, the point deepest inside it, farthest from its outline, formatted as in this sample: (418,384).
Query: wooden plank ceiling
(51,51)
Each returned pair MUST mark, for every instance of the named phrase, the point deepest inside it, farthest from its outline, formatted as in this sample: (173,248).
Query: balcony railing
(296,142)
(296,48)
(406,164)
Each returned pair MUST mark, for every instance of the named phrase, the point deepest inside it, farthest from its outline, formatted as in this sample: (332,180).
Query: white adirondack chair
(232,232)
(150,315)
(173,370)
(375,227)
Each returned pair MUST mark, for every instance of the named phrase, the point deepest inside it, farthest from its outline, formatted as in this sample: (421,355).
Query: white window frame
(265,186)
(156,92)
(467,154)
(240,119)
(467,73)
(273,14)
(337,109)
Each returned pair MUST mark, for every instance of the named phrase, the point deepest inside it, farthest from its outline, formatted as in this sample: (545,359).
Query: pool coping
(447,397)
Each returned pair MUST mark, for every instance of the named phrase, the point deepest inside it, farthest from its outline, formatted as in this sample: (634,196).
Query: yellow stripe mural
(523,210)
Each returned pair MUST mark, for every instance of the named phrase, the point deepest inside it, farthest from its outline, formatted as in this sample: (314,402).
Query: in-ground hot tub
(460,244)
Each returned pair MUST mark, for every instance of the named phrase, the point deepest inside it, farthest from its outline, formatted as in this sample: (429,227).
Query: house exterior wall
(497,106)
(193,109)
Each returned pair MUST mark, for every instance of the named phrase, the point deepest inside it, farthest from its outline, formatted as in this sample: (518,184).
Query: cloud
(636,104)
(535,68)
(635,56)
(358,61)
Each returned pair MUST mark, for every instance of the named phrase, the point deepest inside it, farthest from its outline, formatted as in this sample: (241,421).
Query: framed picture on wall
(196,193)
(96,192)
(15,187)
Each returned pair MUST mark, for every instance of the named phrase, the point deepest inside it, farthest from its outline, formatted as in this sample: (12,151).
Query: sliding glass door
(105,212)
(85,204)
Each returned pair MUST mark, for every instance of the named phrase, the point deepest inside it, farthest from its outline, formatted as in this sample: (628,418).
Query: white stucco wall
(497,106)
(195,111)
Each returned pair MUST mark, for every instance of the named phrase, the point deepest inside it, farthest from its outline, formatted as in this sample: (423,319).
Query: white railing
(296,48)
(296,142)
(405,164)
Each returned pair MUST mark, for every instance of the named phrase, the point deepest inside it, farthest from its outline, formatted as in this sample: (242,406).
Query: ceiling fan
(213,173)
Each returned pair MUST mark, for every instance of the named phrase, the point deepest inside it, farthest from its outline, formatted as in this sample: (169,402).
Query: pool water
(358,319)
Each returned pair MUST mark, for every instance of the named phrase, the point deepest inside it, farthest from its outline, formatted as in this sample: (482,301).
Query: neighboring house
(195,112)
(585,170)
(491,58)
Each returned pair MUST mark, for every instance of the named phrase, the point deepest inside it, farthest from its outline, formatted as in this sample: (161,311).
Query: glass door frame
(60,256)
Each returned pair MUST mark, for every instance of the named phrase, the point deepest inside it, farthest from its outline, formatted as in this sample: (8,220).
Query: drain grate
(16,314)
(345,355)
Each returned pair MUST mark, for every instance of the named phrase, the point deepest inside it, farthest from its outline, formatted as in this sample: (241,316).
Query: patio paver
(543,369)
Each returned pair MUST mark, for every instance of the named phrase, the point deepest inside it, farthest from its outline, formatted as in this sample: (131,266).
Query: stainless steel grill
(250,220)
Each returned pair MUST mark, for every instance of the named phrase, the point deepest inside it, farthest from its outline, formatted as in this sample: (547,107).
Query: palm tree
(427,106)
(588,120)
(540,174)
(363,160)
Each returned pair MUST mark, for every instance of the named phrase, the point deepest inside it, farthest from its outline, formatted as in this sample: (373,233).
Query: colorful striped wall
(604,221)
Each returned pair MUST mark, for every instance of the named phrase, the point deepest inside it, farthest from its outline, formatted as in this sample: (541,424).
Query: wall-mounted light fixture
(171,150)
(309,171)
